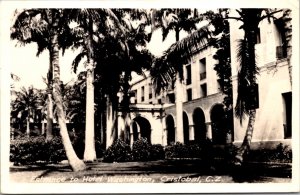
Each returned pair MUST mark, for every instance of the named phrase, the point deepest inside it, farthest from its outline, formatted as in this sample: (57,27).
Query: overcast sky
(22,60)
(31,68)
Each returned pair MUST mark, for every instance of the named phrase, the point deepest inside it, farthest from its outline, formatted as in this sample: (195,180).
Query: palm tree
(112,32)
(49,29)
(49,104)
(170,65)
(87,19)
(245,104)
(36,30)
(26,103)
(14,78)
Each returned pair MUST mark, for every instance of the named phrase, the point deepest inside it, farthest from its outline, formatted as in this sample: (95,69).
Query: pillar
(131,135)
(208,130)
(164,137)
(109,124)
(191,133)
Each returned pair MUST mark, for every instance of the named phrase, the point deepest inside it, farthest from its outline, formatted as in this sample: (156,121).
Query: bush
(78,142)
(157,152)
(56,150)
(35,150)
(141,150)
(119,151)
(179,150)
(202,150)
(280,154)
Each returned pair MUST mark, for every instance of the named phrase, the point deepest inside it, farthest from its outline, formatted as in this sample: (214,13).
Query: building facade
(154,116)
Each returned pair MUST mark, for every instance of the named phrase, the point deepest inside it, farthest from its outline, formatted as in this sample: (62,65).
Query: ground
(163,171)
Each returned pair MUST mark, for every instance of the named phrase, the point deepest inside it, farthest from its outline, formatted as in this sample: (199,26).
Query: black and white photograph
(149,97)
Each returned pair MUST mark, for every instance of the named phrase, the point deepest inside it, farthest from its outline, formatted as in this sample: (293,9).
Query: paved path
(164,171)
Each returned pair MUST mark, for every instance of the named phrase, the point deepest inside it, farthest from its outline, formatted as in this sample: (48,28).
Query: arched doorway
(186,129)
(170,129)
(141,128)
(199,125)
(218,124)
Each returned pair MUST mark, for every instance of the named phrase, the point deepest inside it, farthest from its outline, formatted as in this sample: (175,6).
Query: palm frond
(164,69)
(246,76)
(77,60)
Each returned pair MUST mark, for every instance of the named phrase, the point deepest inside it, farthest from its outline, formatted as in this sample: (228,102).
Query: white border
(7,187)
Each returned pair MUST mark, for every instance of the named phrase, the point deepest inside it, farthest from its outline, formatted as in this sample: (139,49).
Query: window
(133,95)
(171,98)
(258,40)
(159,101)
(281,49)
(150,91)
(188,74)
(203,89)
(202,63)
(287,115)
(189,95)
(143,94)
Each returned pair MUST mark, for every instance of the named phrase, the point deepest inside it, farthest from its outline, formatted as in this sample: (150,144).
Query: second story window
(203,89)
(159,101)
(281,48)
(171,98)
(188,74)
(202,67)
(189,95)
(142,94)
(150,91)
(258,40)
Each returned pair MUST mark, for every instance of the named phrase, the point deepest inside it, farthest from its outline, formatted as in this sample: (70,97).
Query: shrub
(282,153)
(35,150)
(119,151)
(56,150)
(177,150)
(99,148)
(141,150)
(202,150)
(157,152)
(78,142)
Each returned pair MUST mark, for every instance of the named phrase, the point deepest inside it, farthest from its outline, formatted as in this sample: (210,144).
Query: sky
(30,68)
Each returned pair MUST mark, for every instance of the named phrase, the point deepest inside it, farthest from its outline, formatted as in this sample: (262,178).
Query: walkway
(164,171)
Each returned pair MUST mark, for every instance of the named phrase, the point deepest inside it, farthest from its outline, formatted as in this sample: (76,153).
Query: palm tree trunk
(90,152)
(43,127)
(179,101)
(247,139)
(74,161)
(49,133)
(27,126)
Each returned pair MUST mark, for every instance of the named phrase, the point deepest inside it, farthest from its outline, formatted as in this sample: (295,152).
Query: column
(138,130)
(109,124)
(164,137)
(131,136)
(208,130)
(191,133)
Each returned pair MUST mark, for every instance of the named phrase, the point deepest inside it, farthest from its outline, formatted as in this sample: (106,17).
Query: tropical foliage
(25,106)
(50,29)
